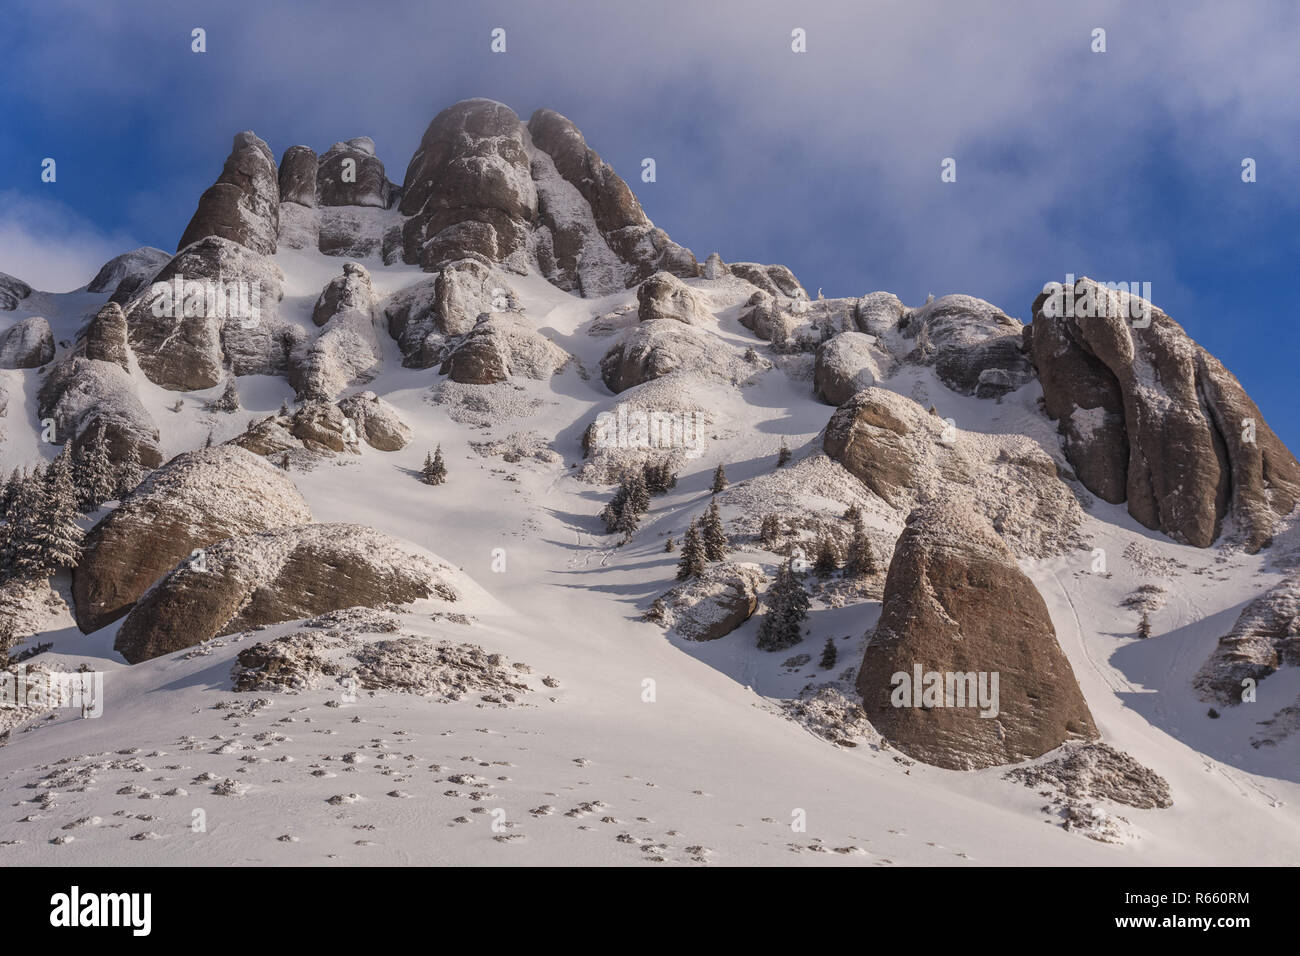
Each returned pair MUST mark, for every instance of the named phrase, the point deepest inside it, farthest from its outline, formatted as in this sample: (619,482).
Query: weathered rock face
(1151,418)
(956,603)
(244,203)
(974,347)
(347,351)
(775,280)
(468,189)
(1265,637)
(654,349)
(226,312)
(106,337)
(298,176)
(12,291)
(83,395)
(280,575)
(615,213)
(712,605)
(503,344)
(714,267)
(27,344)
(196,499)
(664,296)
(377,421)
(422,317)
(846,364)
(878,313)
(350,174)
(124,275)
(904,455)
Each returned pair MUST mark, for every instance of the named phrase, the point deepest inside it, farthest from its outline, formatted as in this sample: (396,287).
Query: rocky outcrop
(714,267)
(105,338)
(214,303)
(83,395)
(196,499)
(297,179)
(468,190)
(956,603)
(1152,419)
(1265,637)
(281,575)
(350,174)
(422,317)
(27,344)
(879,313)
(905,455)
(123,276)
(12,291)
(974,347)
(775,280)
(654,349)
(244,203)
(712,605)
(664,296)
(378,422)
(846,364)
(500,345)
(347,351)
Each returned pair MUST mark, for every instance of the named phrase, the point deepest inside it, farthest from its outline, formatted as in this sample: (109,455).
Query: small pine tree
(435,469)
(829,654)
(92,470)
(612,513)
(769,532)
(692,562)
(229,400)
(129,474)
(1144,626)
(714,534)
(852,513)
(207,442)
(787,603)
(669,545)
(861,559)
(638,495)
(719,479)
(55,532)
(659,477)
(827,561)
(783,455)
(22,557)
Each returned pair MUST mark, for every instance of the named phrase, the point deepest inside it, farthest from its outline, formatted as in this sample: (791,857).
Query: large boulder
(775,280)
(664,296)
(12,291)
(214,303)
(1265,638)
(712,605)
(350,174)
(106,337)
(1149,417)
(298,169)
(423,316)
(651,350)
(27,344)
(282,575)
(84,395)
(347,351)
(244,203)
(123,276)
(974,347)
(905,455)
(846,364)
(500,345)
(468,190)
(196,499)
(377,421)
(956,605)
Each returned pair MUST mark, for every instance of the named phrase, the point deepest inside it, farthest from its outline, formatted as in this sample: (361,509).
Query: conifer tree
(769,532)
(669,545)
(862,559)
(130,474)
(20,557)
(1144,626)
(787,607)
(692,562)
(435,469)
(612,513)
(852,513)
(827,561)
(92,470)
(55,534)
(783,455)
(719,479)
(714,535)
(829,654)
(284,461)
(659,477)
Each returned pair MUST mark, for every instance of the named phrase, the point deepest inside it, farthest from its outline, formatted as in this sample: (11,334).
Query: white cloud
(51,247)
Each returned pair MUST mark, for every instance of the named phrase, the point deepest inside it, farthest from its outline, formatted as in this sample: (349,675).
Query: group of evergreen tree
(705,541)
(622,515)
(787,608)
(434,471)
(39,528)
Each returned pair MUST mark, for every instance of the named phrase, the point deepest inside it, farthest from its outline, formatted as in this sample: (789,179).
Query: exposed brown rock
(27,344)
(106,336)
(503,344)
(298,176)
(365,183)
(244,203)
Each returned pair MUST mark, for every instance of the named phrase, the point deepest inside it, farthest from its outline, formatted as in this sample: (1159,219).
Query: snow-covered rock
(974,347)
(197,498)
(654,349)
(775,280)
(423,316)
(365,183)
(12,291)
(27,344)
(297,178)
(956,603)
(122,276)
(664,296)
(244,203)
(500,345)
(1265,638)
(846,364)
(712,605)
(106,337)
(280,575)
(84,395)
(347,350)
(376,421)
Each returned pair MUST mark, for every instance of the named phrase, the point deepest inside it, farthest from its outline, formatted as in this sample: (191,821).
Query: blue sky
(1123,165)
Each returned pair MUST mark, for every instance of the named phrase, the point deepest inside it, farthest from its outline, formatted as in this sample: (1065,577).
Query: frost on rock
(243,205)
(27,344)
(903,455)
(846,364)
(347,350)
(712,605)
(12,291)
(571,252)
(280,575)
(84,395)
(196,499)
(502,345)
(424,317)
(1265,637)
(664,296)
(654,349)
(974,347)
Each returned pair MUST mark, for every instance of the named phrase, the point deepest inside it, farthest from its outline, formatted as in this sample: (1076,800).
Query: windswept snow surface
(630,746)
